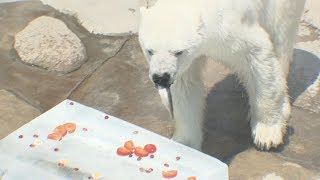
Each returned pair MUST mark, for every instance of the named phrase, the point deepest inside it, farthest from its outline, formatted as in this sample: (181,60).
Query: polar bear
(253,38)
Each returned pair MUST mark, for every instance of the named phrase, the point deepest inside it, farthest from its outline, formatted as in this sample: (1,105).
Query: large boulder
(48,43)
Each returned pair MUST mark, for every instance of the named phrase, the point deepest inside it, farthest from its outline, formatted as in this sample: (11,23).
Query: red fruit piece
(70,127)
(21,136)
(129,145)
(178,158)
(71,103)
(139,158)
(135,132)
(60,130)
(169,174)
(122,151)
(166,165)
(76,169)
(151,148)
(192,178)
(32,145)
(55,136)
(151,156)
(106,117)
(147,171)
(35,135)
(141,152)
(84,129)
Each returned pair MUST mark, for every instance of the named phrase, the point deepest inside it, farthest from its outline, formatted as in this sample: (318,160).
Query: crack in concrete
(90,74)
(22,98)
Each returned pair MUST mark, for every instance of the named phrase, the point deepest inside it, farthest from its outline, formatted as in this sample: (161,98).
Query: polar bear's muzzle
(162,68)
(162,80)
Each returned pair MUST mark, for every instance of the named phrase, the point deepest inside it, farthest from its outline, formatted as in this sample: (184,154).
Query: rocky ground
(109,73)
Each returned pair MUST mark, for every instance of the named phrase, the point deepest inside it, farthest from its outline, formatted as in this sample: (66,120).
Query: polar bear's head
(170,38)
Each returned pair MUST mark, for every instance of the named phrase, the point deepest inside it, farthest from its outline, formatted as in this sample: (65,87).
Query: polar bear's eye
(150,52)
(178,53)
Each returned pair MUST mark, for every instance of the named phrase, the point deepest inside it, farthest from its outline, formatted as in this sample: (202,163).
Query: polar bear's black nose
(161,80)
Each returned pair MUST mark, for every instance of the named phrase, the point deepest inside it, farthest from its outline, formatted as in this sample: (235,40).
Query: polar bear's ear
(142,10)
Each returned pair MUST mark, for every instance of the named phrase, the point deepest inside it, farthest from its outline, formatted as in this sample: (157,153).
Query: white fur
(253,38)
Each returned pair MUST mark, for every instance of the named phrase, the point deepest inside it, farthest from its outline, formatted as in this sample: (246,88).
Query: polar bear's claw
(268,136)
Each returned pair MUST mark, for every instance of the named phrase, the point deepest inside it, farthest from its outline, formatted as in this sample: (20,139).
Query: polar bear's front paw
(179,139)
(267,136)
(195,143)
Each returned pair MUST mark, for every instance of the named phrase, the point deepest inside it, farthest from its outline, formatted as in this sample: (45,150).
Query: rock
(14,113)
(48,43)
(255,165)
(41,88)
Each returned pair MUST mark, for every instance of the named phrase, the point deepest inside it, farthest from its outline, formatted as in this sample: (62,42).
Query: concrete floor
(114,80)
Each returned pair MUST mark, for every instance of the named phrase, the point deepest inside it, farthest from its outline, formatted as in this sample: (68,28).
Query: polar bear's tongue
(166,98)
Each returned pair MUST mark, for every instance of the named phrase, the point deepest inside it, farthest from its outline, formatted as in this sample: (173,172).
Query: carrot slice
(55,136)
(70,127)
(169,174)
(192,178)
(60,130)
(151,148)
(129,145)
(141,152)
(122,151)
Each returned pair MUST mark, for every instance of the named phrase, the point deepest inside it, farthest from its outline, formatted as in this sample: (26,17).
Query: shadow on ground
(227,130)
(303,72)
